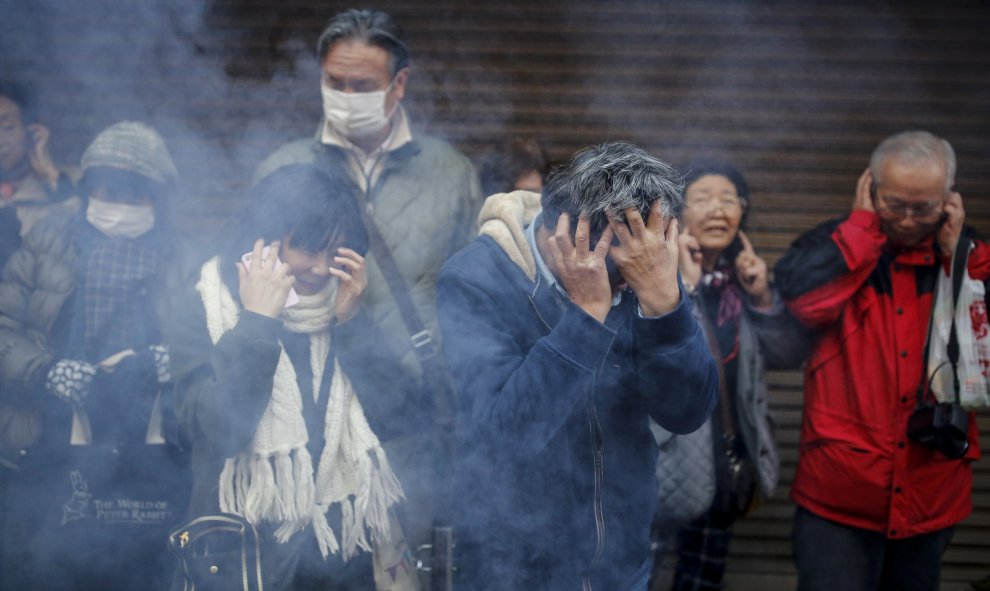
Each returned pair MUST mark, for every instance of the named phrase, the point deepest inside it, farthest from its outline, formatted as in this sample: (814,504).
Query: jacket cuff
(669,330)
(859,239)
(580,338)
(257,327)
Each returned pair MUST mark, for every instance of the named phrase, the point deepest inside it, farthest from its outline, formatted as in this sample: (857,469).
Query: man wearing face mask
(82,305)
(420,195)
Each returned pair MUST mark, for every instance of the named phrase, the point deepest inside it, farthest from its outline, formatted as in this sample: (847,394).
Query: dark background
(797,94)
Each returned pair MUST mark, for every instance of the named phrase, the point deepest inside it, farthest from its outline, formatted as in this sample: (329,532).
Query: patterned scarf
(116,276)
(730,303)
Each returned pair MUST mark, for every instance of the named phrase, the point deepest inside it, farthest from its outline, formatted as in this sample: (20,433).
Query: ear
(399,87)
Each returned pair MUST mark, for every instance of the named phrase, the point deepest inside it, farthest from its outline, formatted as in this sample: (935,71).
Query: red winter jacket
(872,304)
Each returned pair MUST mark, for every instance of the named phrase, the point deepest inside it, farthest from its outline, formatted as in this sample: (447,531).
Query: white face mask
(120,219)
(356,114)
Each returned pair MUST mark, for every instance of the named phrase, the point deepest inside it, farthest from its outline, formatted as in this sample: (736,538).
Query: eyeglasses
(919,211)
(707,202)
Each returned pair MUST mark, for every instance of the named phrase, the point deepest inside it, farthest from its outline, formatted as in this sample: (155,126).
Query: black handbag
(218,552)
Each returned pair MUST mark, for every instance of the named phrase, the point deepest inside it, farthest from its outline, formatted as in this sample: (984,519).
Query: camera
(943,427)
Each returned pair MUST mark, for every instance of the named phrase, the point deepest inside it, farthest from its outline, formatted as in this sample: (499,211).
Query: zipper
(598,459)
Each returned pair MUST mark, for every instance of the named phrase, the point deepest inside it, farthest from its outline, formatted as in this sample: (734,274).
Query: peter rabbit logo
(75,509)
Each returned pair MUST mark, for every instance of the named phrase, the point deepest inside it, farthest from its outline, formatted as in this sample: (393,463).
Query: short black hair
(516,156)
(306,203)
(23,97)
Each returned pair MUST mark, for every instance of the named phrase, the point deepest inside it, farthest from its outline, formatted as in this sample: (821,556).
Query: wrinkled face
(310,268)
(355,67)
(909,199)
(13,135)
(712,212)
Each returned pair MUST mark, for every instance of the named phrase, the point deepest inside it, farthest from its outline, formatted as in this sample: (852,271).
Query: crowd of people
(391,346)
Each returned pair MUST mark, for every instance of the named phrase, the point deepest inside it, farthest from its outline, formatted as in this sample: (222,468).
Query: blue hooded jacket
(554,483)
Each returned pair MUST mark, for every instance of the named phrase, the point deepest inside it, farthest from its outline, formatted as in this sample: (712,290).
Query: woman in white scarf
(279,433)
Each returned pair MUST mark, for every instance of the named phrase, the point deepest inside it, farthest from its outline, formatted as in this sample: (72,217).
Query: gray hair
(913,147)
(373,27)
(609,178)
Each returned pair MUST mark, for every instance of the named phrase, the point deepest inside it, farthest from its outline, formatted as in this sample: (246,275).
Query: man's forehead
(356,59)
(913,176)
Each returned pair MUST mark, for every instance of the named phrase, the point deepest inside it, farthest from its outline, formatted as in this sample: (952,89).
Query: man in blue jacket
(566,328)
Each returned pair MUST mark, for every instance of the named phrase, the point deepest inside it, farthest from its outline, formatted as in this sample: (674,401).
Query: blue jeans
(832,556)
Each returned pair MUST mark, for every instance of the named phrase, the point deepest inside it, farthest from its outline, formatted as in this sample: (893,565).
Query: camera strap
(960,258)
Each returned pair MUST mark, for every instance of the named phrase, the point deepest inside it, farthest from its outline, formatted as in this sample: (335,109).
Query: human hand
(689,258)
(582,270)
(647,256)
(40,158)
(70,379)
(264,285)
(864,198)
(751,270)
(955,216)
(353,281)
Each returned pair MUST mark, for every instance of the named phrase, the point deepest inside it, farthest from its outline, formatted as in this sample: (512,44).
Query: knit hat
(134,147)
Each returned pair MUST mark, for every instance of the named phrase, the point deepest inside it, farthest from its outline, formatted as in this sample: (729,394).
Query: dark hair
(515,157)
(610,178)
(305,202)
(706,165)
(373,27)
(21,96)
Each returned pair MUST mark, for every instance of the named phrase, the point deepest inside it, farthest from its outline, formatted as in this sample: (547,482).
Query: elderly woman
(748,330)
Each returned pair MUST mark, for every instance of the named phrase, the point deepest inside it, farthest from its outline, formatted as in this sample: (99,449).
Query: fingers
(344,276)
(672,229)
(746,244)
(635,221)
(864,200)
(270,259)
(259,247)
(605,242)
(582,235)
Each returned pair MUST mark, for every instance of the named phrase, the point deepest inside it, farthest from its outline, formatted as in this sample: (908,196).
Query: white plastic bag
(973,333)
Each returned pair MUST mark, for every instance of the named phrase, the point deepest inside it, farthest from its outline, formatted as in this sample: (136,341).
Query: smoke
(167,64)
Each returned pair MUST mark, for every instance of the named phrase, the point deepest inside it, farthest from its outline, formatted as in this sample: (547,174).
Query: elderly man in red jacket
(875,509)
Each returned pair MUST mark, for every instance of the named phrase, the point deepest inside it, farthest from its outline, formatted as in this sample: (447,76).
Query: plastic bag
(973,333)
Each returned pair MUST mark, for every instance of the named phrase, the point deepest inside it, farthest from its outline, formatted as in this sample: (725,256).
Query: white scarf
(273,480)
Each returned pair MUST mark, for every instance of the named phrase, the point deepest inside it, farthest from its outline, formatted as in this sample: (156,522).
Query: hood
(504,218)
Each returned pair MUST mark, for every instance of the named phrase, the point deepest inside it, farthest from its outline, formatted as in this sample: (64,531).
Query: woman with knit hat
(748,330)
(284,422)
(83,303)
